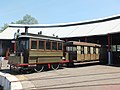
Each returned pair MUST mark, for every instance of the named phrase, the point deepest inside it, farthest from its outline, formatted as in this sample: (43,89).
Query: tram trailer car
(81,52)
(37,52)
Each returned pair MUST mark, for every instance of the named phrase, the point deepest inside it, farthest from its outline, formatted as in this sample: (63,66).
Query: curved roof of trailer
(71,43)
(75,29)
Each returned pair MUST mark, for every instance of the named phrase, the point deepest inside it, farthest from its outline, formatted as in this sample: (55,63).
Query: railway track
(82,77)
(96,76)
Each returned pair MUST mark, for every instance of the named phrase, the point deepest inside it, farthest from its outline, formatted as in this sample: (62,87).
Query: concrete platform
(8,81)
(5,65)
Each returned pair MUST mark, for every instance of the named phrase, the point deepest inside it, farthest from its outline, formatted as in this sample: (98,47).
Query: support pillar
(109,52)
(86,39)
(15,47)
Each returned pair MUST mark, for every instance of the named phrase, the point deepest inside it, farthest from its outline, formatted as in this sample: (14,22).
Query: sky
(57,11)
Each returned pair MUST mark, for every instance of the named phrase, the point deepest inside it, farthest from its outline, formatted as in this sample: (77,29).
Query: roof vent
(57,36)
(39,33)
(53,34)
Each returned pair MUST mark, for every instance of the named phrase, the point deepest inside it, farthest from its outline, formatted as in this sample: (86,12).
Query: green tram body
(36,52)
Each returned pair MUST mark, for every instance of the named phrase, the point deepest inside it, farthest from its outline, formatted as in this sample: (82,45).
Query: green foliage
(27,19)
(4,27)
(1,31)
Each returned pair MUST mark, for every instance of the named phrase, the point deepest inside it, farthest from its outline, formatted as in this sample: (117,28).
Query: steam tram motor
(37,52)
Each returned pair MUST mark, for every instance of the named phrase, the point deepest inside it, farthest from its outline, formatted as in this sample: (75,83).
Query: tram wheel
(39,68)
(10,68)
(55,66)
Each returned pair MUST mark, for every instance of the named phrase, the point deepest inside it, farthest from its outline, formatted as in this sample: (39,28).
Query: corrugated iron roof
(75,29)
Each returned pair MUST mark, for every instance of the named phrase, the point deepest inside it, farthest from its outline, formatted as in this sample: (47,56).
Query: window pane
(54,45)
(33,44)
(118,47)
(69,49)
(91,50)
(79,49)
(41,44)
(97,50)
(48,45)
(113,47)
(74,49)
(85,50)
(59,46)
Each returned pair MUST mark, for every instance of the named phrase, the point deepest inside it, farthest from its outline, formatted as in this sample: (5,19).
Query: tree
(27,19)
(4,27)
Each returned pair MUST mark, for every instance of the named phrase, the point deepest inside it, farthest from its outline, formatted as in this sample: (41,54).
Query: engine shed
(103,31)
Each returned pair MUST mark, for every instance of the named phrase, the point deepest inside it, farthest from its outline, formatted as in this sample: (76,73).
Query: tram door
(80,53)
(72,52)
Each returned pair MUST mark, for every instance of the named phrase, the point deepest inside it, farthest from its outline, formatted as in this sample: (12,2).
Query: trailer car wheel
(39,68)
(70,64)
(55,66)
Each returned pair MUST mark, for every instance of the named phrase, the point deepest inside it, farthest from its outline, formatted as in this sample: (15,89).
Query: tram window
(85,50)
(91,50)
(82,49)
(88,49)
(21,45)
(79,49)
(74,49)
(59,46)
(24,44)
(69,49)
(54,45)
(41,44)
(48,45)
(94,50)
(97,50)
(118,48)
(33,44)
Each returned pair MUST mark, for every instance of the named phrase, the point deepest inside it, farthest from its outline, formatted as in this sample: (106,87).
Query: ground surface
(81,77)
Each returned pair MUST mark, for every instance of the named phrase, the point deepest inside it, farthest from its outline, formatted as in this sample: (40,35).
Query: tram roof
(100,26)
(71,43)
(39,36)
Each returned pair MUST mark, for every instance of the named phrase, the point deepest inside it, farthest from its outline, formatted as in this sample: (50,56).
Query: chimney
(26,30)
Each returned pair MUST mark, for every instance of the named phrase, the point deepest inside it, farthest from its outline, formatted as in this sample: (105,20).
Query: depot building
(104,31)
